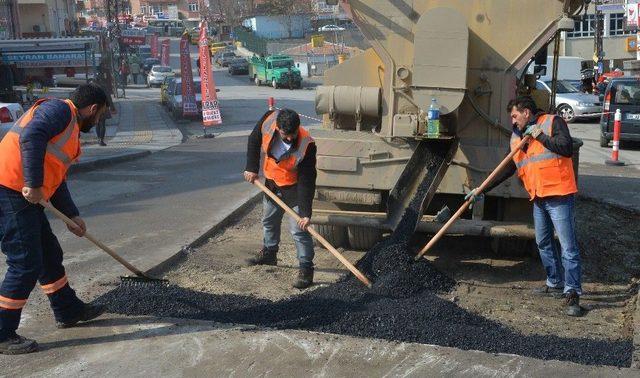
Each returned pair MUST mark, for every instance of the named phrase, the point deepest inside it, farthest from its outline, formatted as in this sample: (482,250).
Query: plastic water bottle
(433,120)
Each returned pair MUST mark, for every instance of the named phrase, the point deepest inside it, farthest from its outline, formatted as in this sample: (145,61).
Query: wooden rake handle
(99,244)
(315,234)
(466,204)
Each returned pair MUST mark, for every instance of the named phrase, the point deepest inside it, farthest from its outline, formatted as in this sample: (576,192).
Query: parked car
(624,94)
(63,80)
(148,63)
(158,74)
(238,66)
(166,88)
(328,28)
(276,70)
(571,103)
(225,57)
(9,114)
(174,103)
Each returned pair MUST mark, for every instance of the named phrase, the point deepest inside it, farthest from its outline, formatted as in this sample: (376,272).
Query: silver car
(157,74)
(571,102)
(9,114)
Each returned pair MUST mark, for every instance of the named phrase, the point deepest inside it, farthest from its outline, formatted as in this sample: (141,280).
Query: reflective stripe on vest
(537,158)
(54,148)
(267,124)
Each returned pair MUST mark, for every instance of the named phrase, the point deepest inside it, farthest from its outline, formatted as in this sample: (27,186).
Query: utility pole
(598,51)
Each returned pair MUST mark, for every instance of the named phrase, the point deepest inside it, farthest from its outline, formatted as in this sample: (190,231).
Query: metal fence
(250,41)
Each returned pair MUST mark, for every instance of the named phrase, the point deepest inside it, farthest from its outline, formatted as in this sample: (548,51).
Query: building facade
(9,19)
(47,18)
(176,8)
(580,41)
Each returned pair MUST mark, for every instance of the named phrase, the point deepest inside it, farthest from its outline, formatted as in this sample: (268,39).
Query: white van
(569,68)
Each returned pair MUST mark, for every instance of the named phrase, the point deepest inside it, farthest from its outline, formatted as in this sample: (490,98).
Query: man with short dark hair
(289,166)
(545,167)
(34,158)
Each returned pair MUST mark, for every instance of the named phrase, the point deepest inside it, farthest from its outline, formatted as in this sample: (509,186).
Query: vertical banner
(632,15)
(154,45)
(164,53)
(210,109)
(189,106)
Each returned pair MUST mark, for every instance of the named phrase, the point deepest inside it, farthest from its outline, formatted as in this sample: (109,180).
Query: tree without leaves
(288,7)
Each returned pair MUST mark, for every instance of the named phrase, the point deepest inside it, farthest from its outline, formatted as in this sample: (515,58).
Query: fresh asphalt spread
(403,305)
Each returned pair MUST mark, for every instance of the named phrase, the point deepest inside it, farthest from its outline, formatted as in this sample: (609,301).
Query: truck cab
(276,70)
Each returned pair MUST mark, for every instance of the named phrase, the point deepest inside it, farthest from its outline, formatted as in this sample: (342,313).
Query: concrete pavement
(115,346)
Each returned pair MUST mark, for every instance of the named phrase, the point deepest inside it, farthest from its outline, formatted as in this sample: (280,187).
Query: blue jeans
(33,254)
(562,267)
(272,220)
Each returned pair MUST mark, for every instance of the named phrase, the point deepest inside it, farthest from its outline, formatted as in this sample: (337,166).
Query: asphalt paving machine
(374,156)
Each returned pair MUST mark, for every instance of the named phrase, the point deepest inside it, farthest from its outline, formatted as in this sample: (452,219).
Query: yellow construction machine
(374,156)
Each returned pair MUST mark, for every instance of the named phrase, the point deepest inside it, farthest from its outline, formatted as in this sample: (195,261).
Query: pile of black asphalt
(403,305)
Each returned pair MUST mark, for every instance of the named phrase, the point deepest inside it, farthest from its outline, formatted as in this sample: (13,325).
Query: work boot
(547,291)
(265,256)
(88,312)
(305,278)
(573,304)
(18,345)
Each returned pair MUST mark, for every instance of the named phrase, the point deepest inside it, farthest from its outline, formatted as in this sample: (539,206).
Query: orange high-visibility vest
(285,171)
(543,173)
(62,150)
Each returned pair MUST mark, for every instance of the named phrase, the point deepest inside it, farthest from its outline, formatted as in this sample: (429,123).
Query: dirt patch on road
(218,266)
(499,287)
(489,309)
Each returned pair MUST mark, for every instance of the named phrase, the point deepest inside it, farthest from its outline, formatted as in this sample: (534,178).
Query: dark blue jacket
(49,120)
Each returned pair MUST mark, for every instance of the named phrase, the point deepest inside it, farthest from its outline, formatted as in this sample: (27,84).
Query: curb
(228,219)
(100,163)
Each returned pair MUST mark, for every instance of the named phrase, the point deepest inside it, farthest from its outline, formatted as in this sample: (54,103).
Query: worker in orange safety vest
(35,155)
(288,155)
(545,168)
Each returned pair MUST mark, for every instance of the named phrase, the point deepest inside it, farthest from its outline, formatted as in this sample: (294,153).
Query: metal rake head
(143,281)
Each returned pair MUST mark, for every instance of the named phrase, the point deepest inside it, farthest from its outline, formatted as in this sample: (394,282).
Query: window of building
(584,28)
(617,24)
(156,8)
(194,7)
(144,9)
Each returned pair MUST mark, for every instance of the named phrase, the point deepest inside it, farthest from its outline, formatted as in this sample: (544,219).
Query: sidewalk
(139,128)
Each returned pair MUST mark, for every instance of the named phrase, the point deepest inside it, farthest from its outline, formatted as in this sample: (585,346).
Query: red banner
(164,53)
(210,109)
(154,42)
(189,106)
